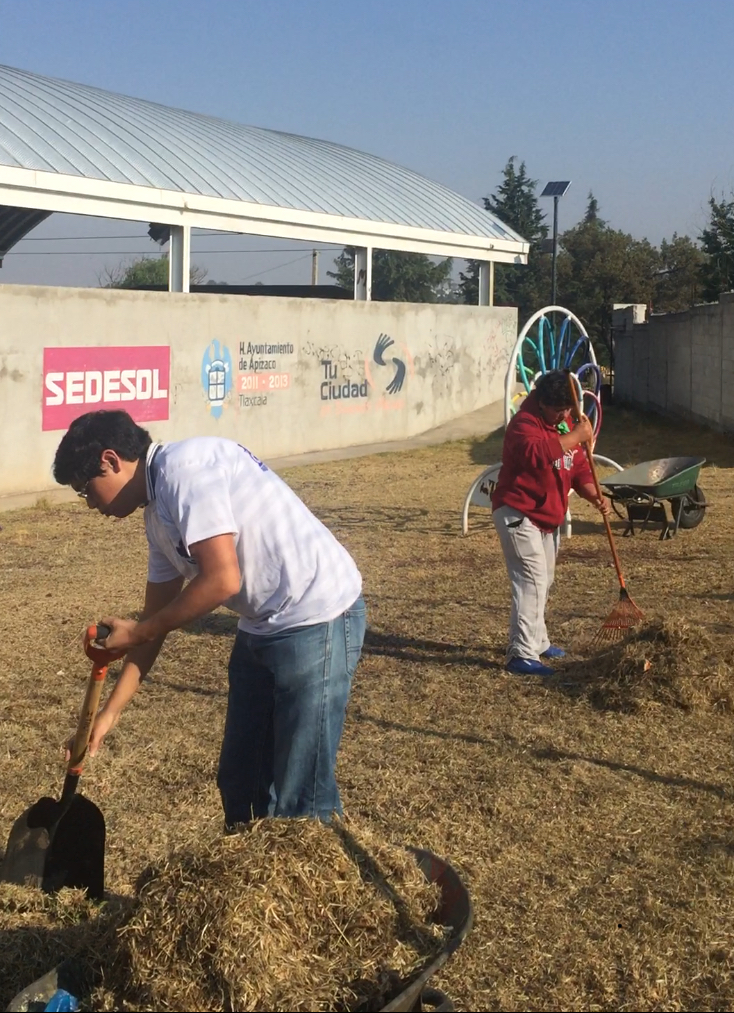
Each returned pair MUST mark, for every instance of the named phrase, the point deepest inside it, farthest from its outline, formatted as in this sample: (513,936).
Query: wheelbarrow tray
(664,478)
(455,912)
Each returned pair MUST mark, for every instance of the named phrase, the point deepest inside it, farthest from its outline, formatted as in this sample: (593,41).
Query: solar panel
(556,189)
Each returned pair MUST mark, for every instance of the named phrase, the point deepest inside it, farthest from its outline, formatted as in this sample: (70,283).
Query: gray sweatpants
(530,555)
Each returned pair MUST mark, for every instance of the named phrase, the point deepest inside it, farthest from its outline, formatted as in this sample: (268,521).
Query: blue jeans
(288,695)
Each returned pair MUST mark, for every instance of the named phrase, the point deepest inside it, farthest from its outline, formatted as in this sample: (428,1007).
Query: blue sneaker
(554,652)
(525,666)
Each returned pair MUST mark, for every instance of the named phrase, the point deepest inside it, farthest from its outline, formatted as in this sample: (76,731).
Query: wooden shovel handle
(590,457)
(88,712)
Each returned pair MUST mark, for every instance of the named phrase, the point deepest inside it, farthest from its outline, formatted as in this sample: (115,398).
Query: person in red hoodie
(540,466)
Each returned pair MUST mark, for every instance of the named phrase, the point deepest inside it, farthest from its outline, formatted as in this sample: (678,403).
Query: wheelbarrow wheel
(694,508)
(434,999)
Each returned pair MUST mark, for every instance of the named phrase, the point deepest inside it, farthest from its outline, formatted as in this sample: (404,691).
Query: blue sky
(633,99)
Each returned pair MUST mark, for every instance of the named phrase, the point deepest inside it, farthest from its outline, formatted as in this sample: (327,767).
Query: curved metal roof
(76,131)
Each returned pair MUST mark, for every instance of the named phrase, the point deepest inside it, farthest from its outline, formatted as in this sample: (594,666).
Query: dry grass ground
(596,838)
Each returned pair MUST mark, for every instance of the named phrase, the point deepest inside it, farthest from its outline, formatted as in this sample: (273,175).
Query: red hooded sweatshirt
(536,475)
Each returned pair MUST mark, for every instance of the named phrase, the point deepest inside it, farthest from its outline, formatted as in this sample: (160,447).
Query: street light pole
(555,250)
(555,190)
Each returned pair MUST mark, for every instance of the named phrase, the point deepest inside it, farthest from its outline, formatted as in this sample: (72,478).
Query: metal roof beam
(50,191)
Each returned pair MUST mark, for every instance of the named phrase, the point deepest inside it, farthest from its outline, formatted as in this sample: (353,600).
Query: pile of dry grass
(287,915)
(666,662)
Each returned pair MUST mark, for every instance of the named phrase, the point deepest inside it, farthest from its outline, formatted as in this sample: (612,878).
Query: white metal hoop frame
(511,375)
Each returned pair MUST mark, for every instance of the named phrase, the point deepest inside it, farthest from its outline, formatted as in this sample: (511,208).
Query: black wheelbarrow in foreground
(644,490)
(455,912)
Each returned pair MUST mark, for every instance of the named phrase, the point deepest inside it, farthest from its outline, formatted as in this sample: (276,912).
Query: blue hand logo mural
(217,377)
(383,343)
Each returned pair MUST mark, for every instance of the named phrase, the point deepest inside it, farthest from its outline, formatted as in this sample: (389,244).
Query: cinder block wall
(681,364)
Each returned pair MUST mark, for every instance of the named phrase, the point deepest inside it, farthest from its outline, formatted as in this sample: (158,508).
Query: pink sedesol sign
(78,380)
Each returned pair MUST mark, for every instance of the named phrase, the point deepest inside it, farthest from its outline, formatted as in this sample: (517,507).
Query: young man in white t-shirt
(223,529)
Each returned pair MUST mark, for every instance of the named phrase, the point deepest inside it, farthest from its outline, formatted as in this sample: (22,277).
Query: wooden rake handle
(590,457)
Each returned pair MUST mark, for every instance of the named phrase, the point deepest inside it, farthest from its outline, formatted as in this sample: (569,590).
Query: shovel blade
(28,844)
(57,844)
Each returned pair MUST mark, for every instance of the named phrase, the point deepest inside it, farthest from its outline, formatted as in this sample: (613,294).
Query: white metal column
(363,273)
(179,259)
(486,283)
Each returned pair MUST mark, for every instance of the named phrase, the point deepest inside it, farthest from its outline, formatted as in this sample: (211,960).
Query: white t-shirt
(294,571)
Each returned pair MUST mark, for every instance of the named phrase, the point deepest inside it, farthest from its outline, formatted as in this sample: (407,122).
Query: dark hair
(553,389)
(79,454)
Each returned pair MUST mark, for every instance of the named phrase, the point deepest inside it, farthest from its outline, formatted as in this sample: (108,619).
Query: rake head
(622,618)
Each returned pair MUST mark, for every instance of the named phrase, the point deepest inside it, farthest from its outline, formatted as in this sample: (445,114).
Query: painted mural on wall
(447,358)
(340,381)
(494,353)
(262,371)
(388,373)
(135,378)
(348,381)
(349,378)
(442,357)
(384,342)
(341,384)
(217,377)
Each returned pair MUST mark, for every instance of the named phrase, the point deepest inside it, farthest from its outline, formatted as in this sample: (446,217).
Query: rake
(625,613)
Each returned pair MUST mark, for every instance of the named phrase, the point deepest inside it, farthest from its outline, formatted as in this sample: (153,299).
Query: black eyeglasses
(83,493)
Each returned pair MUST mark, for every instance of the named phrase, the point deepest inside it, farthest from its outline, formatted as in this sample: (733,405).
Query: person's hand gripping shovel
(61,843)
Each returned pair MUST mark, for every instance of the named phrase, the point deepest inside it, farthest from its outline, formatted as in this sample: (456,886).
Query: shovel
(61,843)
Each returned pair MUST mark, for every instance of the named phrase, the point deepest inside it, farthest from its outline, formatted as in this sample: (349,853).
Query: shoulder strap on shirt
(153,470)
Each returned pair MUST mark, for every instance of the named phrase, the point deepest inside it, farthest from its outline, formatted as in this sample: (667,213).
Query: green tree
(143,272)
(592,210)
(718,242)
(679,281)
(600,266)
(515,203)
(398,277)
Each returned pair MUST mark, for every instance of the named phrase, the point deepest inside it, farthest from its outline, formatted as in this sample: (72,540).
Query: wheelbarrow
(644,490)
(455,912)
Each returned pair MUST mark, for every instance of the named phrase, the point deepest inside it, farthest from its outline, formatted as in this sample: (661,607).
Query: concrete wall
(679,364)
(405,368)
